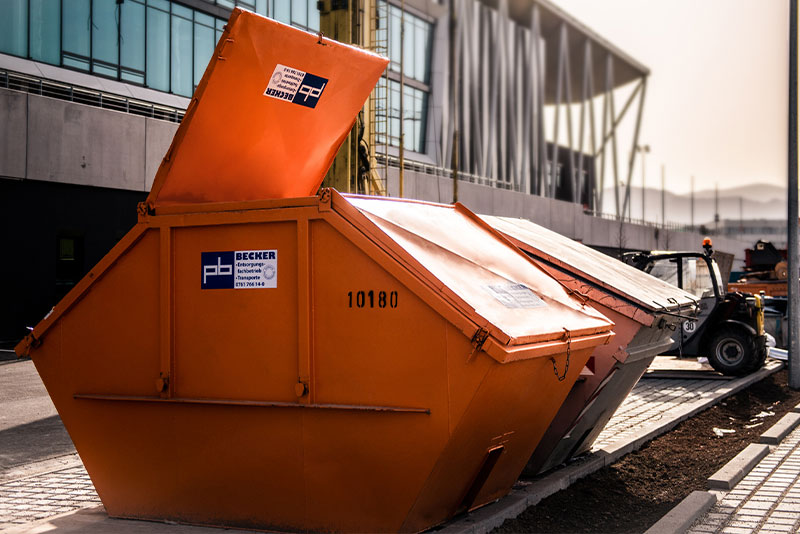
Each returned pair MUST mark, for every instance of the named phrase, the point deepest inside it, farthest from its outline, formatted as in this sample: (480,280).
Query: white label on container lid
(515,296)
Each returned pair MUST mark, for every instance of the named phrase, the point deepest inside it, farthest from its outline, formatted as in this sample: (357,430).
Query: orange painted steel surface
(368,390)
(643,309)
(268,117)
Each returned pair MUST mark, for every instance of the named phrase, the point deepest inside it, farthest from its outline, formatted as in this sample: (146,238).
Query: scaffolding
(379,135)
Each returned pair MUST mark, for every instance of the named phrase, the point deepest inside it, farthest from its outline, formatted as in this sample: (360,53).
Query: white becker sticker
(295,86)
(515,296)
(239,269)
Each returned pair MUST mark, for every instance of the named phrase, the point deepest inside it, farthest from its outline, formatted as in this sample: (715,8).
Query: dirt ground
(632,494)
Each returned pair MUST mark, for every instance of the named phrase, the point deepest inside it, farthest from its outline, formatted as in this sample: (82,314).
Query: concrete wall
(53,140)
(13,133)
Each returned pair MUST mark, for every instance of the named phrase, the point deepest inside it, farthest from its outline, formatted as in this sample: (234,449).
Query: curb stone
(775,434)
(736,469)
(680,518)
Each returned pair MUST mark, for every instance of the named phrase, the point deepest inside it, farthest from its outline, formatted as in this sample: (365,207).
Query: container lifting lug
(162,383)
(301,389)
(478,339)
(222,50)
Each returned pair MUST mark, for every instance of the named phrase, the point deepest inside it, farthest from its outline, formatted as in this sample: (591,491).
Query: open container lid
(486,277)
(587,265)
(266,121)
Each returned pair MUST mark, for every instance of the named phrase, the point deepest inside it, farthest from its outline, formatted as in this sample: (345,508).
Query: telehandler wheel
(732,352)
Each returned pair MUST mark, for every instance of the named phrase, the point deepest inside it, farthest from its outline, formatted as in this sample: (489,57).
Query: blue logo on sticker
(216,270)
(310,91)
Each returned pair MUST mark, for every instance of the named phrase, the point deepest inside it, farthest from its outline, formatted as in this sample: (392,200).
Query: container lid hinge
(325,198)
(143,209)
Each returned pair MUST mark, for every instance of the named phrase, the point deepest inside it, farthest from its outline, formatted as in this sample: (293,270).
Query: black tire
(732,352)
(761,356)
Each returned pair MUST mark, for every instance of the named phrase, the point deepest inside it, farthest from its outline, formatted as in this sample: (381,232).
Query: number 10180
(372,299)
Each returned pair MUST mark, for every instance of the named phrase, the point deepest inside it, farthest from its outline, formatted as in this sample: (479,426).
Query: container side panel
(153,459)
(644,347)
(376,343)
(512,408)
(369,331)
(605,362)
(466,370)
(110,337)
(236,343)
(197,464)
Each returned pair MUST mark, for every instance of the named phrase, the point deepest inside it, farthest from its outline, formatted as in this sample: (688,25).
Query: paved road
(27,416)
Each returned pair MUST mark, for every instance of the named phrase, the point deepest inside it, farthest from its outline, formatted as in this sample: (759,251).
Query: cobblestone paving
(767,500)
(650,401)
(41,496)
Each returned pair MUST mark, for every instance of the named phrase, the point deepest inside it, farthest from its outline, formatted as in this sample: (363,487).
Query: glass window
(162,44)
(300,12)
(313,15)
(416,44)
(422,43)
(181,65)
(415,106)
(394,113)
(182,11)
(76,22)
(14,27)
(408,46)
(281,10)
(105,37)
(203,49)
(45,31)
(157,49)
(131,41)
(204,19)
(394,39)
(220,28)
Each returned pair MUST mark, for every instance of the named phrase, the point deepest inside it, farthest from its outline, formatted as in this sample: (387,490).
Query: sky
(716,104)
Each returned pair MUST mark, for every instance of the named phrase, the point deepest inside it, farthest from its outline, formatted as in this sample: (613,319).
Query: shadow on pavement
(33,442)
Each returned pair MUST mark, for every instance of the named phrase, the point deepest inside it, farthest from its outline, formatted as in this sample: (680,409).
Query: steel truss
(501,89)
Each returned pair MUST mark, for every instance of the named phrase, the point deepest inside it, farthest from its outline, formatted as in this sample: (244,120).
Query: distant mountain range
(757,201)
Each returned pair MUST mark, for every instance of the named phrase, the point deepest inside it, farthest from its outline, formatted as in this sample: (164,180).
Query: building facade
(514,98)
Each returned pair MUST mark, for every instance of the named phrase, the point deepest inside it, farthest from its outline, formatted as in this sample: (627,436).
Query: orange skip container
(320,363)
(645,310)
